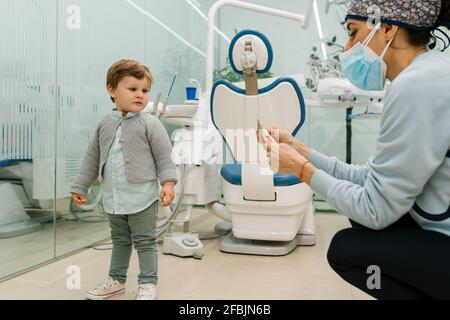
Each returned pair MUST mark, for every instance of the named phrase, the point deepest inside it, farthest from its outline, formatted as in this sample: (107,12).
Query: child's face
(131,94)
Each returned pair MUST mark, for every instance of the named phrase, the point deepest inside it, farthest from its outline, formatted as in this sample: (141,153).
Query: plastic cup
(191,93)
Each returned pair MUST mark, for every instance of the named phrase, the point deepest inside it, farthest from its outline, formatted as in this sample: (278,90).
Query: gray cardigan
(146,147)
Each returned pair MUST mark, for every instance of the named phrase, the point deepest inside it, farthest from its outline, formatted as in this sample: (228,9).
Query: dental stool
(271,214)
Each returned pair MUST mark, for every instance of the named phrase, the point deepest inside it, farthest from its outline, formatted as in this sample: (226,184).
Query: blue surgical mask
(363,67)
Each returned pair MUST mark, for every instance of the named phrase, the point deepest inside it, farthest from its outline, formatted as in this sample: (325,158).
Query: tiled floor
(302,274)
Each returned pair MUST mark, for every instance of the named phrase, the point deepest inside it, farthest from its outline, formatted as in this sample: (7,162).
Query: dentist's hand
(167,194)
(280,135)
(285,137)
(78,199)
(283,158)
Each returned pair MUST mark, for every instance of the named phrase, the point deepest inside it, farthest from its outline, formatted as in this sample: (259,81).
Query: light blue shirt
(410,171)
(119,195)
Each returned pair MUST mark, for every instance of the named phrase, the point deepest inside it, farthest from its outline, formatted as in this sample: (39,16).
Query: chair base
(17,229)
(231,244)
(306,239)
(14,220)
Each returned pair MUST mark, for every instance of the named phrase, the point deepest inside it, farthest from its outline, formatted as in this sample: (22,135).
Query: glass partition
(53,63)
(28,94)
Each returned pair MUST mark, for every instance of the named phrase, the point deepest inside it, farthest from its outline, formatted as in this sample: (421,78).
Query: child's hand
(167,194)
(78,199)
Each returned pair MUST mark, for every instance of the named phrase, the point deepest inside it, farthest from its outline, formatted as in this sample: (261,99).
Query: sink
(180,114)
(179,121)
(180,110)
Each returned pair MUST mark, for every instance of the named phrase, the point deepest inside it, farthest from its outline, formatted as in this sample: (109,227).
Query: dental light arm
(303,19)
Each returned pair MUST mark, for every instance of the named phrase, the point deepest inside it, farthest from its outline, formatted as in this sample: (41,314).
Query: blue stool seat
(232,173)
(7,163)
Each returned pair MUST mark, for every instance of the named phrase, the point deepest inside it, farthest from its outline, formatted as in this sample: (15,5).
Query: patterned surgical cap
(413,14)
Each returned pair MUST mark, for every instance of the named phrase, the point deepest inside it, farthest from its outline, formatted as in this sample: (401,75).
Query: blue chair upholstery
(233,174)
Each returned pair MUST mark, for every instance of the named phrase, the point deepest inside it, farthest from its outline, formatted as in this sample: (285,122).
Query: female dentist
(399,202)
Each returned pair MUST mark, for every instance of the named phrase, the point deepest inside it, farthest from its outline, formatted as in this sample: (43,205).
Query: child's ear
(111,91)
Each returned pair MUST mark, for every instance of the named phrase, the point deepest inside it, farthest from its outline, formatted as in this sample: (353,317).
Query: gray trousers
(138,229)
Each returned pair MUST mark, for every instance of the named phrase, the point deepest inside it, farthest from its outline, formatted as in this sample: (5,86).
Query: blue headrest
(264,51)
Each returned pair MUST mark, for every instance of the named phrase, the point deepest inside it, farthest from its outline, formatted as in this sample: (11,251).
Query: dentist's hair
(429,38)
(127,68)
(444,16)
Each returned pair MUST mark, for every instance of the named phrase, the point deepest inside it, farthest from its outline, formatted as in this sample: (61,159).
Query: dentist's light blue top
(410,171)
(120,196)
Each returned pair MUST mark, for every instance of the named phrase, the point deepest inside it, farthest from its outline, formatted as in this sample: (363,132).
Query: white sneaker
(147,291)
(107,289)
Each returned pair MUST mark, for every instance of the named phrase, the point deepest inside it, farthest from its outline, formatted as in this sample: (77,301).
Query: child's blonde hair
(127,68)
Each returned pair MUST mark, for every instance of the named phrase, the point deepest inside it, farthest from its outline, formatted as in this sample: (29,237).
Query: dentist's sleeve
(406,158)
(338,169)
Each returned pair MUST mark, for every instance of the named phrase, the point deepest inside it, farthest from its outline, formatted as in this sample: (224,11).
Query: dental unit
(264,213)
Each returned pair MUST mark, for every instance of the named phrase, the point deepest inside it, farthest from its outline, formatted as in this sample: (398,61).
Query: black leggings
(413,263)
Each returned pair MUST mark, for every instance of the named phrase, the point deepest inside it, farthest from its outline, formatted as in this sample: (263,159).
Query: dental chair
(16,189)
(271,214)
(23,209)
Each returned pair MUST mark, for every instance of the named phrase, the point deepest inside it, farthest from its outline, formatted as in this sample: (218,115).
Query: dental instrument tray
(332,89)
